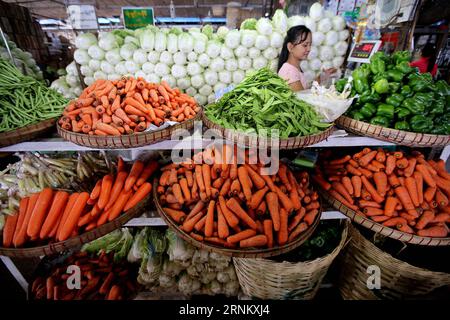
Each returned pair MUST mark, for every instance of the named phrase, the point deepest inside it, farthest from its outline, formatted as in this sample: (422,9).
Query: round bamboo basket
(77,241)
(243,253)
(405,138)
(399,280)
(26,133)
(379,228)
(127,140)
(267,279)
(253,140)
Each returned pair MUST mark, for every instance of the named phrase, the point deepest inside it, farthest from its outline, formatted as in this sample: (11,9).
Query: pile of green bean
(25,100)
(263,101)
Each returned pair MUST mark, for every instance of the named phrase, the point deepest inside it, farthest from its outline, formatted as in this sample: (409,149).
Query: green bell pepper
(404,67)
(395,99)
(438,106)
(420,123)
(360,85)
(395,75)
(368,96)
(394,86)
(413,106)
(424,98)
(358,116)
(402,125)
(386,110)
(402,112)
(340,84)
(401,56)
(381,86)
(368,110)
(378,77)
(442,88)
(442,125)
(419,82)
(406,91)
(377,65)
(380,121)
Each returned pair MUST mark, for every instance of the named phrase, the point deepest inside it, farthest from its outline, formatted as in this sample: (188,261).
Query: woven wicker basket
(77,241)
(253,140)
(400,137)
(379,228)
(26,133)
(399,280)
(125,141)
(267,279)
(243,253)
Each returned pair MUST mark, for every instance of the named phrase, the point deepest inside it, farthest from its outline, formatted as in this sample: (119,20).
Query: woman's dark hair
(429,51)
(295,35)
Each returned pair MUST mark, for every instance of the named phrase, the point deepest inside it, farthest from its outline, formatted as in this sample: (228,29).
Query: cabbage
(81,56)
(219,86)
(264,27)
(147,40)
(248,38)
(241,51)
(132,40)
(166,57)
(161,69)
(170,80)
(185,43)
(197,81)
(213,49)
(211,98)
(208,31)
(204,60)
(72,68)
(178,71)
(276,40)
(331,38)
(310,24)
(206,90)
(107,67)
(107,41)
(153,57)
(193,68)
(262,42)
(343,35)
(304,65)
(259,63)
(140,56)
(280,21)
(316,11)
(328,14)
(238,76)
(217,64)
(270,53)
(338,61)
(327,64)
(127,50)
(120,68)
(244,63)
(132,66)
(172,43)
(324,25)
(222,31)
(249,24)
(113,56)
(317,38)
(72,80)
(83,41)
(295,21)
(315,64)
(183,83)
(192,56)
(254,53)
(225,77)
(86,71)
(89,80)
(191,91)
(160,42)
(231,65)
(273,65)
(233,39)
(201,100)
(211,77)
(249,72)
(99,75)
(176,31)
(153,78)
(179,58)
(313,53)
(326,53)
(226,53)
(200,41)
(140,74)
(340,48)
(338,23)
(148,67)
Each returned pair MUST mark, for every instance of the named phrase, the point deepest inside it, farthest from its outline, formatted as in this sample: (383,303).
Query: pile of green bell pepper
(392,94)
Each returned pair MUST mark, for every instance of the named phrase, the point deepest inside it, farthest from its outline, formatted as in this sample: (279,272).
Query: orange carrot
(395,222)
(389,207)
(140,194)
(55,212)
(135,172)
(222,226)
(347,183)
(179,216)
(426,175)
(435,231)
(234,206)
(340,198)
(426,218)
(245,234)
(370,211)
(105,191)
(209,223)
(390,164)
(419,183)
(321,182)
(367,158)
(268,232)
(356,183)
(299,229)
(74,216)
(244,179)
(375,195)
(394,180)
(380,218)
(285,200)
(70,203)
(231,218)
(410,184)
(351,169)
(255,241)
(116,189)
(95,193)
(339,187)
(119,205)
(39,213)
(199,178)
(107,129)
(8,229)
(206,173)
(257,198)
(372,204)
(381,155)
(273,206)
(257,180)
(429,194)
(441,198)
(298,217)
(404,197)
(381,182)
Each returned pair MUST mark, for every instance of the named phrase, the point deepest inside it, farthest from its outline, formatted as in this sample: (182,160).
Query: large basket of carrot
(53,221)
(297,274)
(401,196)
(233,208)
(127,113)
(400,137)
(369,273)
(26,133)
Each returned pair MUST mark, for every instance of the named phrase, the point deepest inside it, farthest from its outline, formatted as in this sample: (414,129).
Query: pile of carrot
(216,199)
(101,279)
(126,106)
(55,215)
(405,192)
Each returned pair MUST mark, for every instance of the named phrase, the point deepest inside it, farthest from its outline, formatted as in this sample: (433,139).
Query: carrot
(381,155)
(356,183)
(429,194)
(347,183)
(372,204)
(321,182)
(296,219)
(310,216)
(283,233)
(410,184)
(404,197)
(245,234)
(395,222)
(375,195)
(257,198)
(74,216)
(367,158)
(394,180)
(235,188)
(339,187)
(441,198)
(273,206)
(135,172)
(107,129)
(389,207)
(341,160)
(70,203)
(120,113)
(39,213)
(268,232)
(378,165)
(426,175)
(54,213)
(390,164)
(199,178)
(369,211)
(285,201)
(380,218)
(439,166)
(231,218)
(209,223)
(435,231)
(402,163)
(206,173)
(105,192)
(441,217)
(426,218)
(340,198)
(115,189)
(9,229)
(351,169)
(222,226)
(188,224)
(176,189)
(244,179)
(257,180)
(299,229)
(224,190)
(255,241)
(234,206)
(140,194)
(381,182)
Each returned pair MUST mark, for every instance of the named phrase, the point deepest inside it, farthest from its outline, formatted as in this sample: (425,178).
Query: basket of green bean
(28,107)
(263,111)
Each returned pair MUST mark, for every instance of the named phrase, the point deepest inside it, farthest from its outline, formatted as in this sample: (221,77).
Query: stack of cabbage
(202,62)
(68,85)
(21,59)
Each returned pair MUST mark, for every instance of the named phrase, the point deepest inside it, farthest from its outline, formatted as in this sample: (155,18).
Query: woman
(296,48)
(427,61)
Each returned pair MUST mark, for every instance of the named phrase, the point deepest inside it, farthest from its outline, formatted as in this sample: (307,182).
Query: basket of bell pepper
(394,95)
